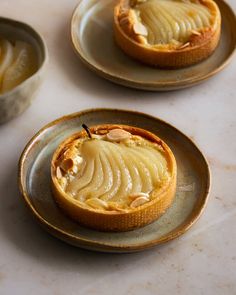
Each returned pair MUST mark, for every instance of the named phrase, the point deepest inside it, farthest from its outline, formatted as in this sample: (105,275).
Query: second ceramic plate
(192,185)
(92,38)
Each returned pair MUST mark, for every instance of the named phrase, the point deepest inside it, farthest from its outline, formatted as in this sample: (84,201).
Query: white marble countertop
(203,261)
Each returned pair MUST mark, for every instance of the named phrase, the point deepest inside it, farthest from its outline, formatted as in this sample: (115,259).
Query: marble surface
(203,261)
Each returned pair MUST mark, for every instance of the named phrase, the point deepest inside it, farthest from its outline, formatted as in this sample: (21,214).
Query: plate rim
(148,86)
(105,246)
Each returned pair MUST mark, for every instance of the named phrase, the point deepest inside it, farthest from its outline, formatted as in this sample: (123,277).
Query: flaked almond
(71,161)
(142,40)
(175,42)
(97,203)
(140,29)
(115,207)
(123,14)
(195,33)
(139,201)
(67,164)
(118,135)
(71,152)
(101,132)
(124,21)
(184,45)
(58,173)
(135,196)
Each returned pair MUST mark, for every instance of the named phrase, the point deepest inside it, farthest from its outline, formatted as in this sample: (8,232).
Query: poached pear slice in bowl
(115,178)
(23,56)
(19,62)
(6,57)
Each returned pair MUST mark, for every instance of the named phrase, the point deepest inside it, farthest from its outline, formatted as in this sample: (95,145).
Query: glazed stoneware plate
(92,39)
(35,185)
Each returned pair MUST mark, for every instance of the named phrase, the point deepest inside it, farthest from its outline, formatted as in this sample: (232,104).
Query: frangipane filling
(115,171)
(162,22)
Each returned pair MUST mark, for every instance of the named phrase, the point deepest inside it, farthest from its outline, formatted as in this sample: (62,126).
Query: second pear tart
(167,33)
(114,177)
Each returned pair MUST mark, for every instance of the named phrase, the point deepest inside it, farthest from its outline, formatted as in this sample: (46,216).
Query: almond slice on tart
(121,178)
(167,33)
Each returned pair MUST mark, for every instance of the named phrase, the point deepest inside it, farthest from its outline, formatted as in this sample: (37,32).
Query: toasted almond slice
(101,132)
(123,14)
(115,207)
(71,160)
(97,136)
(67,164)
(138,202)
(195,33)
(142,39)
(71,152)
(140,29)
(97,203)
(184,45)
(175,42)
(135,196)
(118,135)
(58,173)
(124,21)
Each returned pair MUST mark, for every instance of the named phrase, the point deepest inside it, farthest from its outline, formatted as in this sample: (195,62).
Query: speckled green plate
(192,185)
(92,39)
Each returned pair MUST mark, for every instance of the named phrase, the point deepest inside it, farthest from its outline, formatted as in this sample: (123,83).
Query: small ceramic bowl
(14,102)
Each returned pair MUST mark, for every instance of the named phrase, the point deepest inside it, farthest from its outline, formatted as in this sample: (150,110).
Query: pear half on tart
(113,177)
(167,33)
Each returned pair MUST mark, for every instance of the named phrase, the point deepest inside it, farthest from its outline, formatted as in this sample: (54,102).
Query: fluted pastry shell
(189,30)
(124,217)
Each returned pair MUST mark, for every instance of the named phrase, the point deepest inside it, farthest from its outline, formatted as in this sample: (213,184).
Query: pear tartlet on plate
(113,177)
(167,33)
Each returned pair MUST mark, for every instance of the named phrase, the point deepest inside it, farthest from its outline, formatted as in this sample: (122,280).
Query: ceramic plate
(92,39)
(192,187)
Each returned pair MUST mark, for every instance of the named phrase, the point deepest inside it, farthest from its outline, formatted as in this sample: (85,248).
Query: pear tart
(167,33)
(114,178)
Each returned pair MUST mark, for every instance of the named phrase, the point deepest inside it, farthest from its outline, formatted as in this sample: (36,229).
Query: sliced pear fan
(167,33)
(23,66)
(113,172)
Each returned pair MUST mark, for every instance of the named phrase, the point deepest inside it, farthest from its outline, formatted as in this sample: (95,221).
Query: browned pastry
(121,178)
(167,33)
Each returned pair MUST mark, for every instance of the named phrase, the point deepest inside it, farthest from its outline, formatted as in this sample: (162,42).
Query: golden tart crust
(167,33)
(112,212)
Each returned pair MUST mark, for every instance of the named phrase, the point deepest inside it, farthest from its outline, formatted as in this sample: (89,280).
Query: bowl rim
(42,45)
